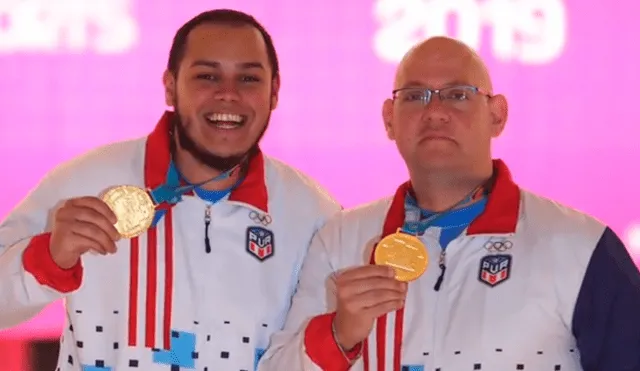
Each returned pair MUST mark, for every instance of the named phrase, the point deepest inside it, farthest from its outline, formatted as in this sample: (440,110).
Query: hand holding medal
(88,223)
(80,225)
(365,293)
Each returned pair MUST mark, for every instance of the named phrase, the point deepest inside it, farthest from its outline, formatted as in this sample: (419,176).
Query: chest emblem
(260,243)
(495,269)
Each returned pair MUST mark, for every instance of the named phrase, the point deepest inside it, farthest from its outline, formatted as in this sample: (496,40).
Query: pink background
(77,74)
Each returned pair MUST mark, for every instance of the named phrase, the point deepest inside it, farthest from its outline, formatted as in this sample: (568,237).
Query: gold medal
(133,207)
(403,252)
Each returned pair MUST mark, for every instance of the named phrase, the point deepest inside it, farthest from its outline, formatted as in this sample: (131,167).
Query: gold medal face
(133,208)
(405,253)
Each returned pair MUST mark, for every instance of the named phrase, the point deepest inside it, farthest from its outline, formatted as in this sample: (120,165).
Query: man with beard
(209,278)
(461,269)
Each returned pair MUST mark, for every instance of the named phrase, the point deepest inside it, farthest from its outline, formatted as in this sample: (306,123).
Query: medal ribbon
(417,220)
(171,192)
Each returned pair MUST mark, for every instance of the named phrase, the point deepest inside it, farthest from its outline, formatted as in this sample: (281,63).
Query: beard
(204,156)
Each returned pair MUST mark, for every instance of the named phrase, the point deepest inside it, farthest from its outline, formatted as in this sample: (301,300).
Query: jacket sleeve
(606,320)
(306,343)
(29,278)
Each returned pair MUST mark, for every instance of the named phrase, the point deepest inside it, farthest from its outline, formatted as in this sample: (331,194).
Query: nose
(435,111)
(227,92)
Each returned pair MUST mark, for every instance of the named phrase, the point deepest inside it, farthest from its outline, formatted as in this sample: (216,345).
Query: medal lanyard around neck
(415,225)
(171,193)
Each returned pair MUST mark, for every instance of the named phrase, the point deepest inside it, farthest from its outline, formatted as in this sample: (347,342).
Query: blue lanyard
(171,192)
(417,220)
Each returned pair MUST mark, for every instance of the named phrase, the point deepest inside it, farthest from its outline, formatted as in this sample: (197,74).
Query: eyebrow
(412,84)
(417,84)
(215,64)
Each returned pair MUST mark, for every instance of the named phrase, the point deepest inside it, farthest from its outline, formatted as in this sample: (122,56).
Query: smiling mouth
(226,121)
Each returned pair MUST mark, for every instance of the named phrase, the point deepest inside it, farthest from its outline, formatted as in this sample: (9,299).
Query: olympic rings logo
(498,246)
(264,219)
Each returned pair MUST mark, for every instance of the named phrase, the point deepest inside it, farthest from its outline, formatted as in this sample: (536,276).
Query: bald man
(516,281)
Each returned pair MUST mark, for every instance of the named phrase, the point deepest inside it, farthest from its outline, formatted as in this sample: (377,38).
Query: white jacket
(161,300)
(530,285)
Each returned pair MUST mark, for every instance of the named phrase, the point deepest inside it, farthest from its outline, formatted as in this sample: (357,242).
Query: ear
(499,112)
(169,82)
(275,91)
(387,118)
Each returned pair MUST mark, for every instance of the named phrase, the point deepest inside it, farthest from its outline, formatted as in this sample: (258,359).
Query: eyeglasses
(455,96)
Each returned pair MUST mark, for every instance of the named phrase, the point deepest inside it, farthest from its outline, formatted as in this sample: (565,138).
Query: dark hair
(222,16)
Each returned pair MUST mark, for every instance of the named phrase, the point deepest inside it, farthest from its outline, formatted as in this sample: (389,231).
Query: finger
(84,244)
(94,233)
(383,308)
(367,271)
(372,299)
(84,214)
(97,205)
(363,285)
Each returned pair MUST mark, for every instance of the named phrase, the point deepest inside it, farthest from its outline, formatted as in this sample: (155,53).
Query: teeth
(225,117)
(226,126)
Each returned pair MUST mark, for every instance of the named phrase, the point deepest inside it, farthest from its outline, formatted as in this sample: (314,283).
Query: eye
(456,94)
(206,76)
(249,78)
(412,95)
